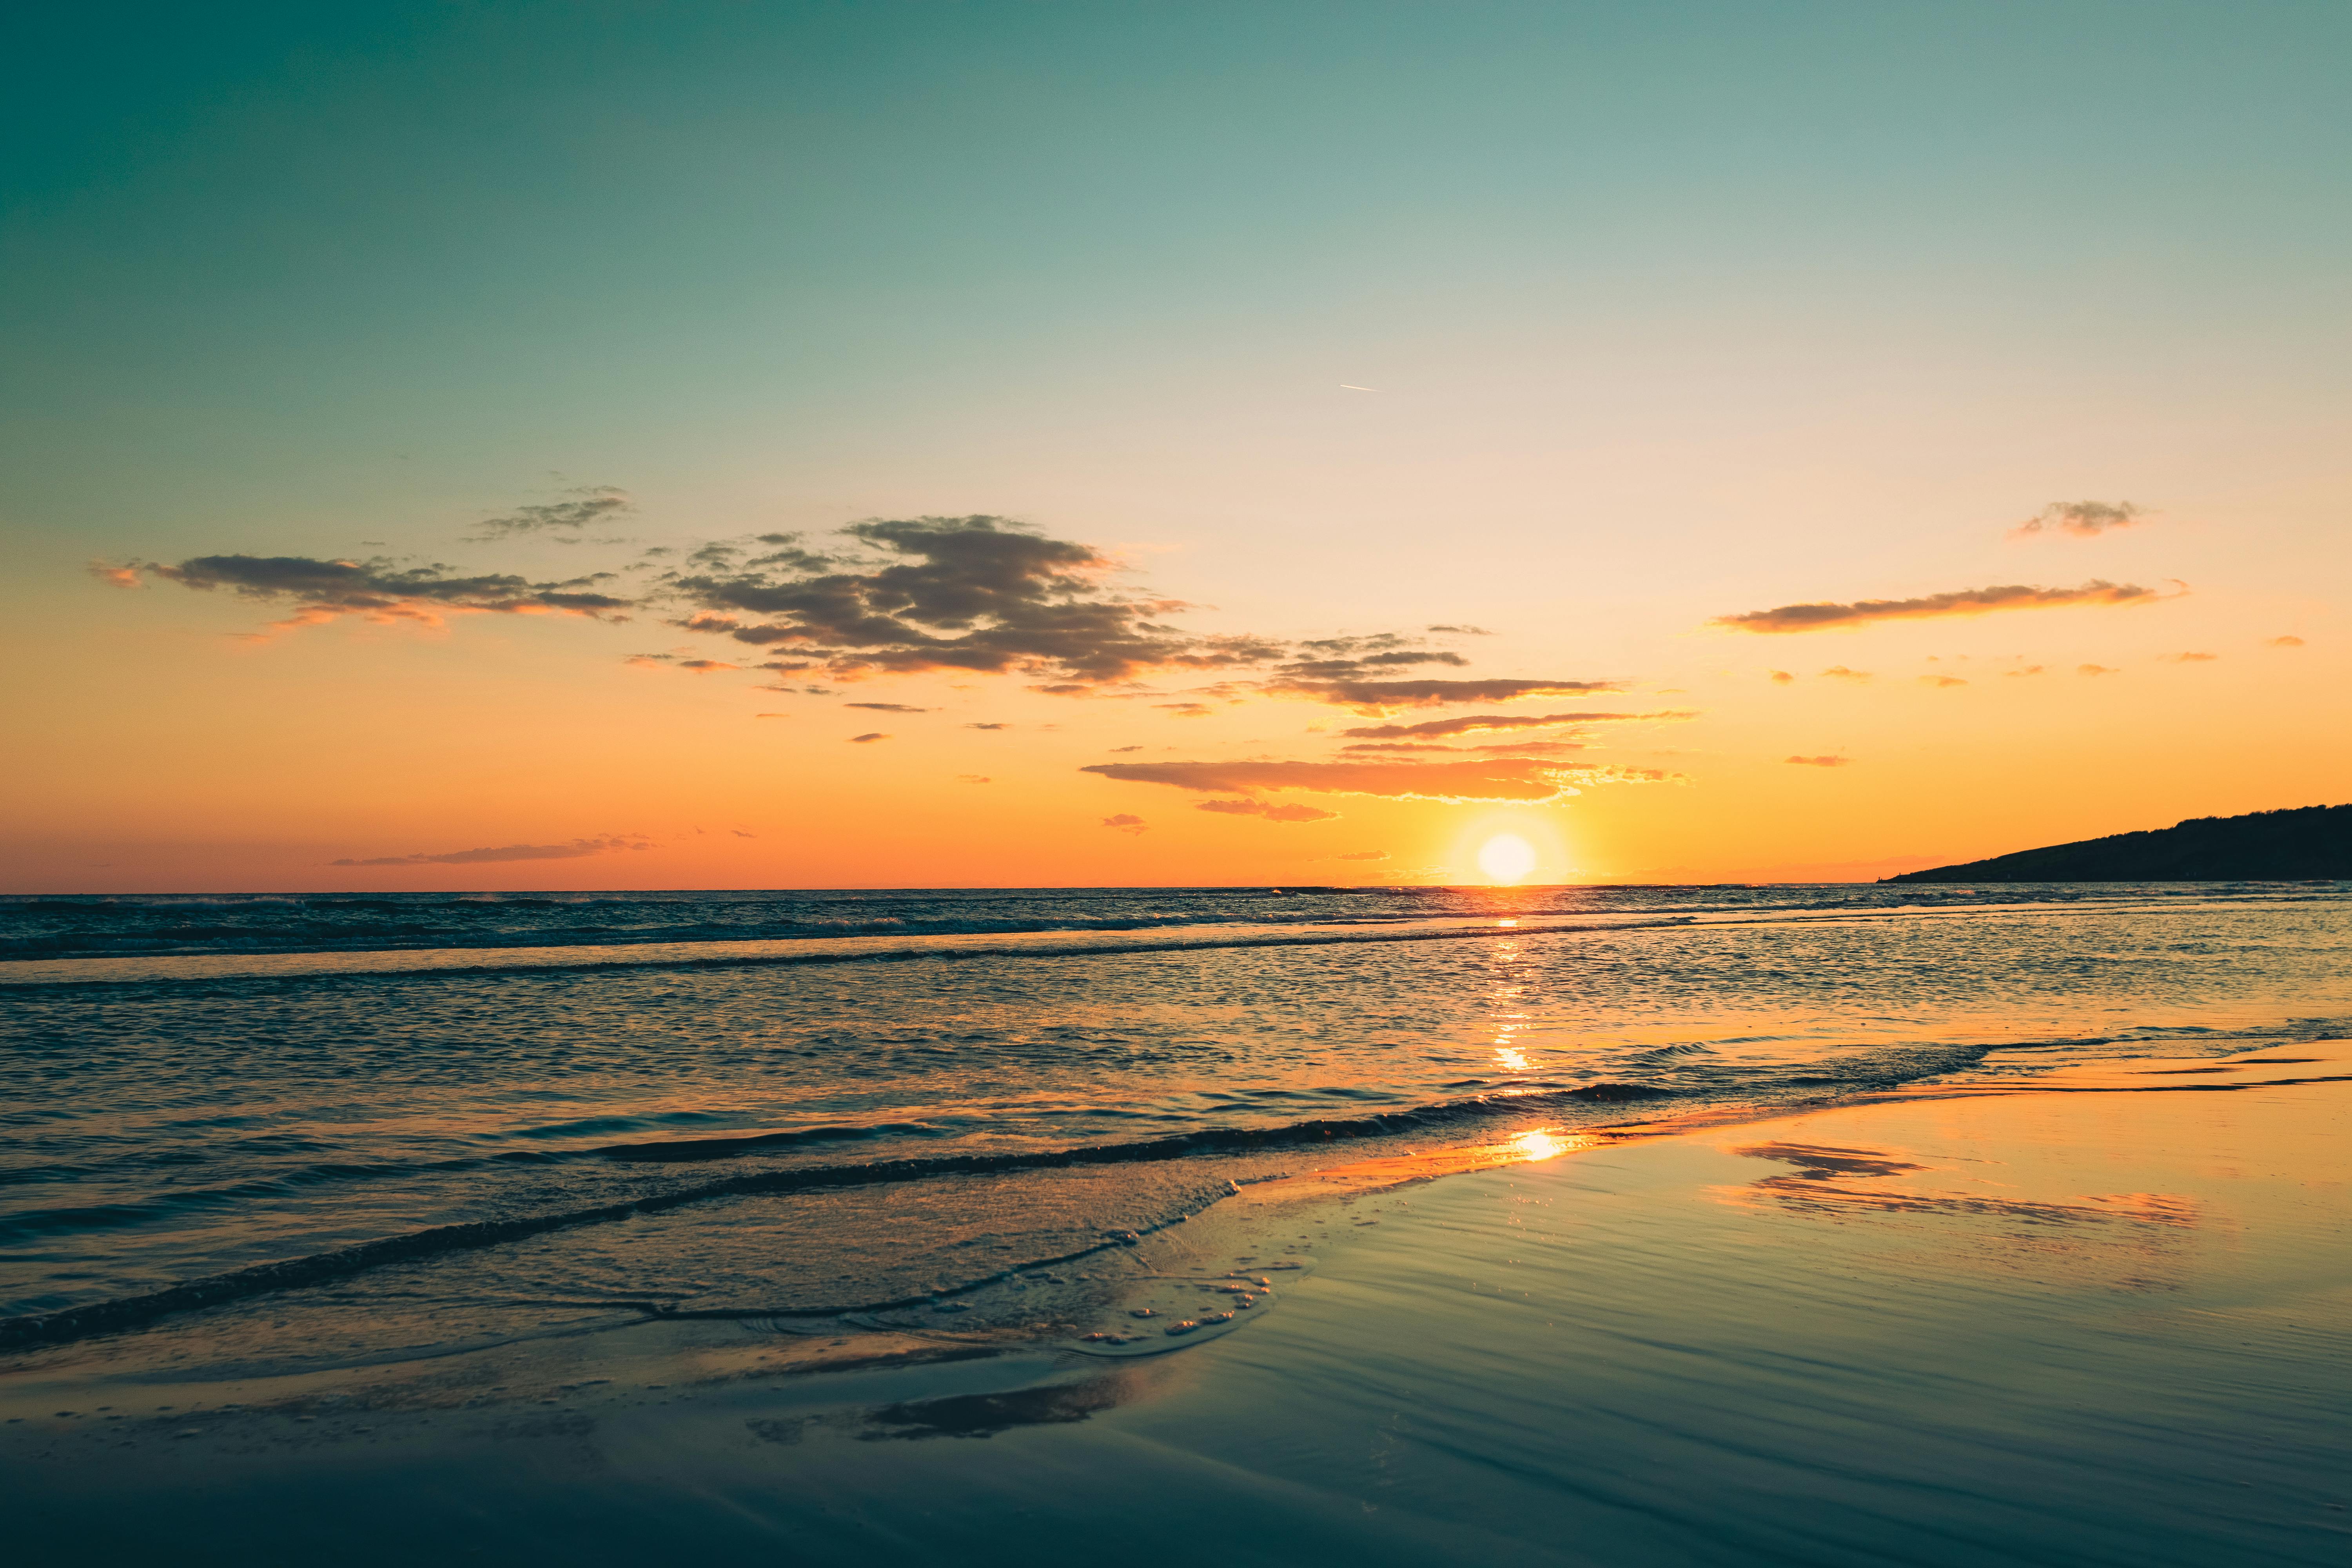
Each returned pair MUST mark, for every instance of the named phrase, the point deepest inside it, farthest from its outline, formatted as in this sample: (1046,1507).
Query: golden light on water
(1538,1146)
(1506,857)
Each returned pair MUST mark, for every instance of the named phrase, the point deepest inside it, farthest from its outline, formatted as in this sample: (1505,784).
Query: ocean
(356,1127)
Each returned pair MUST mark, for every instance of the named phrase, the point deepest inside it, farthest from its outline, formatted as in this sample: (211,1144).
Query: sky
(626,446)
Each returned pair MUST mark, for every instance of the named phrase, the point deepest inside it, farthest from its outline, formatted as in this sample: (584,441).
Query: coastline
(2098,1315)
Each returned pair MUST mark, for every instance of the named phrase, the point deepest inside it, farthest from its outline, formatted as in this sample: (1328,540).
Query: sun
(1506,857)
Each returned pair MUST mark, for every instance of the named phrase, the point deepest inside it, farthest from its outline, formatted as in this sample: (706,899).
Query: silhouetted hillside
(2263,845)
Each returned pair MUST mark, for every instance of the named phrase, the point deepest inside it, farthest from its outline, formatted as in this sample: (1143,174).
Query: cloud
(1941,681)
(375,590)
(973,778)
(1486,779)
(1960,602)
(114,576)
(1125,823)
(697,665)
(1841,673)
(1481,724)
(592,504)
(743,833)
(1271,813)
(2028,669)
(2190,657)
(2289,641)
(988,726)
(915,596)
(1186,710)
(2095,669)
(1372,698)
(1818,762)
(1781,678)
(572,851)
(770,715)
(1364,854)
(868,738)
(887,707)
(2082,519)
(1461,631)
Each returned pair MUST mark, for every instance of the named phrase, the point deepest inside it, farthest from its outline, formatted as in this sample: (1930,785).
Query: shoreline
(1984,1190)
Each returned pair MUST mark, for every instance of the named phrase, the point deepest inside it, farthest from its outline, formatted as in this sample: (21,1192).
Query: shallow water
(841,1122)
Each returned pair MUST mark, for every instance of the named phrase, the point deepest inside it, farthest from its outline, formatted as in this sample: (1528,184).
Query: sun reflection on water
(1538,1146)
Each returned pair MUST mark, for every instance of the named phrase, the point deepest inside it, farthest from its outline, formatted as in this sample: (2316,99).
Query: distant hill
(2263,845)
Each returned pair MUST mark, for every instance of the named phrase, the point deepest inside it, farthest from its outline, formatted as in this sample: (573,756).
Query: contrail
(1348,386)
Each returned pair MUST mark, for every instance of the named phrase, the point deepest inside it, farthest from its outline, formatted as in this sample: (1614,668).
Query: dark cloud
(868,738)
(988,726)
(1487,779)
(1123,823)
(1271,813)
(378,591)
(594,504)
(1960,602)
(916,596)
(1820,762)
(572,851)
(887,707)
(1480,723)
(679,661)
(1374,697)
(2082,519)
(1463,631)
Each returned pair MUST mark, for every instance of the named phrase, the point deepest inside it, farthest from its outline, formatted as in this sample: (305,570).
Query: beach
(2098,1315)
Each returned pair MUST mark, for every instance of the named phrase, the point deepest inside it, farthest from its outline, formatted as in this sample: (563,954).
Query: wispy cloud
(868,738)
(887,707)
(1123,823)
(2097,670)
(1271,813)
(574,850)
(1960,602)
(1364,854)
(1487,779)
(1484,723)
(377,589)
(2190,657)
(1840,672)
(1372,698)
(2288,641)
(973,778)
(1941,681)
(1818,762)
(588,506)
(2082,519)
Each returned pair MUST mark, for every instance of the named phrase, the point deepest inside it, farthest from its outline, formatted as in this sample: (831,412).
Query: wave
(126,1312)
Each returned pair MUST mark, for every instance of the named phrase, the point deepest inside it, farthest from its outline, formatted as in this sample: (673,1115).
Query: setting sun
(1506,857)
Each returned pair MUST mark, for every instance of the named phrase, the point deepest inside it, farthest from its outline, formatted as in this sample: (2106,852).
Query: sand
(2095,1318)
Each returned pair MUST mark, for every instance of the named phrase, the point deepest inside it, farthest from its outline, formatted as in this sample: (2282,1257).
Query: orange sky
(444,349)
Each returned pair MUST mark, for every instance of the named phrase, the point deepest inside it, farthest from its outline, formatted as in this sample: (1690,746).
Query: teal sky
(1668,310)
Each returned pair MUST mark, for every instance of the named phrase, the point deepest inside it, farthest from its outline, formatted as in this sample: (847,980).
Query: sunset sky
(584,445)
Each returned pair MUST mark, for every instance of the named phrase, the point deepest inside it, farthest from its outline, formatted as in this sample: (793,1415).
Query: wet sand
(2095,1318)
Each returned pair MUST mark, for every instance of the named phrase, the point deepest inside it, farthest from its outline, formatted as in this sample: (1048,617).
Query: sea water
(416,1118)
